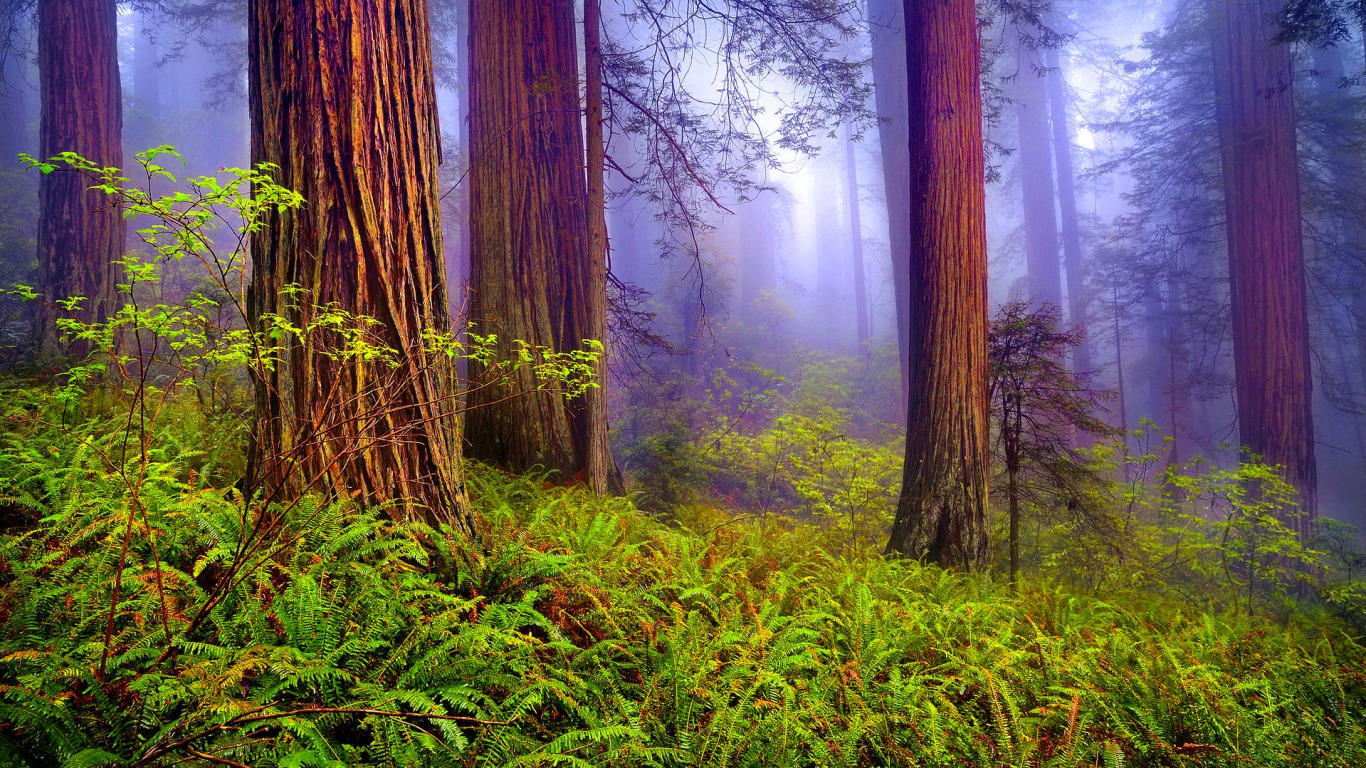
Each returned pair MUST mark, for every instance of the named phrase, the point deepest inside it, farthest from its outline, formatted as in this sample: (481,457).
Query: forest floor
(581,631)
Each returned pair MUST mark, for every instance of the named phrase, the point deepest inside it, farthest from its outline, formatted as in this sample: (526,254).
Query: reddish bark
(941,514)
(534,274)
(343,101)
(79,236)
(1266,256)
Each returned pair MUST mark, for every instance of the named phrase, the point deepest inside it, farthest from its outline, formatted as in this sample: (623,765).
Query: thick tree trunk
(856,236)
(79,235)
(1266,257)
(1077,309)
(887,23)
(533,276)
(343,102)
(1042,265)
(941,514)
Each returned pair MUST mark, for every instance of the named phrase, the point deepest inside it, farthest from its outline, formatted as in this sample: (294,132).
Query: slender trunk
(941,513)
(1266,257)
(1077,309)
(533,274)
(856,235)
(1011,439)
(1119,368)
(602,473)
(79,236)
(1036,182)
(887,24)
(344,104)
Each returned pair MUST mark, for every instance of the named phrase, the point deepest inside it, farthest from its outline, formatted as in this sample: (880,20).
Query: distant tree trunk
(758,265)
(830,266)
(1119,366)
(146,79)
(1349,171)
(343,101)
(856,235)
(532,275)
(79,236)
(1036,180)
(888,27)
(1266,258)
(1077,311)
(13,103)
(941,514)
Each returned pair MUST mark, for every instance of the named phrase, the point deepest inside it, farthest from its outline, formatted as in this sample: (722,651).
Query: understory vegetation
(182,624)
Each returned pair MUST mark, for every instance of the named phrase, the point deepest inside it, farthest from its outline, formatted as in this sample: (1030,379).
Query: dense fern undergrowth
(582,631)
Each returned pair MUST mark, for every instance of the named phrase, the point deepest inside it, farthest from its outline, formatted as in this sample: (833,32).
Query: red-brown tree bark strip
(532,274)
(1265,245)
(343,101)
(941,514)
(601,471)
(79,235)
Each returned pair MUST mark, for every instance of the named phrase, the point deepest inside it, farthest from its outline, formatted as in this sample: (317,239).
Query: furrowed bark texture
(532,275)
(600,470)
(343,101)
(1036,181)
(1266,256)
(941,515)
(888,28)
(79,236)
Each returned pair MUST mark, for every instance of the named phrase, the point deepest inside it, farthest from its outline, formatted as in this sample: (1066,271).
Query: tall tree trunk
(941,514)
(1042,265)
(79,236)
(532,273)
(1266,256)
(1067,201)
(856,235)
(343,102)
(602,472)
(888,32)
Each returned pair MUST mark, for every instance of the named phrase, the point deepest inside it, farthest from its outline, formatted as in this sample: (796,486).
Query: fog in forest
(737,268)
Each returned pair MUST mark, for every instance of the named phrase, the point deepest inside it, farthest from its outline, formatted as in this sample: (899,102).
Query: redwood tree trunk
(591,420)
(888,32)
(534,275)
(941,514)
(1266,256)
(79,236)
(343,101)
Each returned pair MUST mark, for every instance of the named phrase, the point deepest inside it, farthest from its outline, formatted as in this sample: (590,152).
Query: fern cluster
(582,632)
